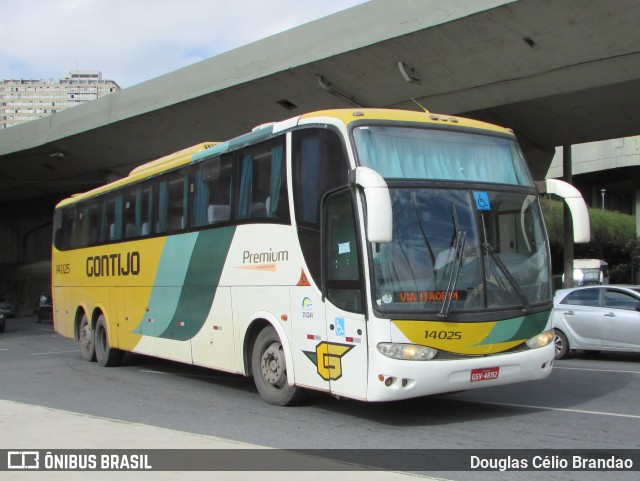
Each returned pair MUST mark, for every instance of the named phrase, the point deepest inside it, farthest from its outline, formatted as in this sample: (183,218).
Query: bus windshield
(456,249)
(418,153)
(462,250)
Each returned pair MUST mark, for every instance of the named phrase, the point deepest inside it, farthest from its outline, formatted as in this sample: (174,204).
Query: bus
(371,254)
(588,272)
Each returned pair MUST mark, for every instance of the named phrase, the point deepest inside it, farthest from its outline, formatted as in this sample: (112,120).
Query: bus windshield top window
(412,153)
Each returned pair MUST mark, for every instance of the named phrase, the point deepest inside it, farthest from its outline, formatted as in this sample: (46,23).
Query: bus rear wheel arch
(106,355)
(269,368)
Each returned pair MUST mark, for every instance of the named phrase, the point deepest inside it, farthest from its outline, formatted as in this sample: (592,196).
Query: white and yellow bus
(371,254)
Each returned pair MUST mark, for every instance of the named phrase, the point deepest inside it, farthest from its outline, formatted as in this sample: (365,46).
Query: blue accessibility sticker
(340,326)
(482,200)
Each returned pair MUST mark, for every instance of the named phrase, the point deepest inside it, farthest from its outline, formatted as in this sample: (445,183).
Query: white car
(597,318)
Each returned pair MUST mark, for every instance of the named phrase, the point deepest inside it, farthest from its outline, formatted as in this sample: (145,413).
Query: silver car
(597,318)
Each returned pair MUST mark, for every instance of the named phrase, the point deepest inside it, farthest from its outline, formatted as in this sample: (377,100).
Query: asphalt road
(588,402)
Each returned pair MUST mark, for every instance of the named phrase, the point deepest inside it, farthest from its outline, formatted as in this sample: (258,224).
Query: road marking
(596,370)
(55,352)
(579,411)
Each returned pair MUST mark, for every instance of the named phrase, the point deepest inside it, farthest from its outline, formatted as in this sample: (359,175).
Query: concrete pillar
(567,220)
(636,211)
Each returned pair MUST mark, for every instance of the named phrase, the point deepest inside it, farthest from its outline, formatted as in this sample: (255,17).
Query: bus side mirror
(379,212)
(577,206)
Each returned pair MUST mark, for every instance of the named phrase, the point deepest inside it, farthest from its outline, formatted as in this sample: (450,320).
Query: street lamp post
(603,191)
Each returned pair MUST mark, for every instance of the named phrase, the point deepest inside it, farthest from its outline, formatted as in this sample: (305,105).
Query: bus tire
(270,370)
(106,355)
(86,338)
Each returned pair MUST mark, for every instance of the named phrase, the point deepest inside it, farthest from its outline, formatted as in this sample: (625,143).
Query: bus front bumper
(391,379)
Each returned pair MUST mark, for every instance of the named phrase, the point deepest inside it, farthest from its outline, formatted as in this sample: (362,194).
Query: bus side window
(262,191)
(111,218)
(160,204)
(68,228)
(137,210)
(58,228)
(172,202)
(212,192)
(82,229)
(93,209)
(145,211)
(132,196)
(342,266)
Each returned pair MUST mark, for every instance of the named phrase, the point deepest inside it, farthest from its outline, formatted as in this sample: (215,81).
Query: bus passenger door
(343,359)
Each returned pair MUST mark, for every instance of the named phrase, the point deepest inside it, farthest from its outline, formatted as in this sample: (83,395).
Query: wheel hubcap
(85,337)
(273,365)
(558,344)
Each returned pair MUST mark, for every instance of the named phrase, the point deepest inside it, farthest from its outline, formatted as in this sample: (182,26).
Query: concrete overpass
(557,72)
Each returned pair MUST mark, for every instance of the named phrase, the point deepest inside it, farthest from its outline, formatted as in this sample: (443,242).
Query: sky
(131,41)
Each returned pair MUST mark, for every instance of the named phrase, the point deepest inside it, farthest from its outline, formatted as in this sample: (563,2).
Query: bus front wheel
(86,338)
(270,370)
(106,355)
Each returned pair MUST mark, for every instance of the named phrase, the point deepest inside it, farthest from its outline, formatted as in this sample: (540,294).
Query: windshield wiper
(488,249)
(460,241)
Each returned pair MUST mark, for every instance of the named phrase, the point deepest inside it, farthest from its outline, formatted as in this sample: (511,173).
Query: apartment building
(25,100)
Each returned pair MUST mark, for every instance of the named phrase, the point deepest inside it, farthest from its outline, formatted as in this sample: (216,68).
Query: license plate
(485,374)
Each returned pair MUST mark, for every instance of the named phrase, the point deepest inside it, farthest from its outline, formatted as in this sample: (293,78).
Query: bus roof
(346,116)
(588,263)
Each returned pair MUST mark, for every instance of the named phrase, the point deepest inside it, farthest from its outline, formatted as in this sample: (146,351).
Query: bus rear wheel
(270,370)
(86,338)
(106,355)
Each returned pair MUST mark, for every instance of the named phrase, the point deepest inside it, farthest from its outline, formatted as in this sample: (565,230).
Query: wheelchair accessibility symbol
(482,200)
(339,322)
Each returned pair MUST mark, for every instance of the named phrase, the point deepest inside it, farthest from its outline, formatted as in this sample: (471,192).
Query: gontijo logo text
(109,265)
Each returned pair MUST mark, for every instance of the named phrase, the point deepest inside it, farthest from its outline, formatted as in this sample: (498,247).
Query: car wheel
(561,344)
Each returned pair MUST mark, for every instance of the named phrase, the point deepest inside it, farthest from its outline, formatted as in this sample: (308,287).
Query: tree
(613,238)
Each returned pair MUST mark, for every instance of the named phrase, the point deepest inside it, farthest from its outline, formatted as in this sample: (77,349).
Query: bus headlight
(541,340)
(409,352)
